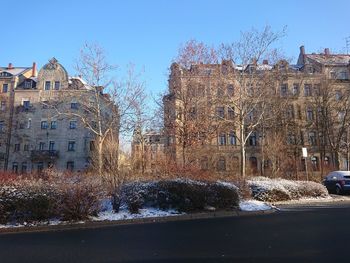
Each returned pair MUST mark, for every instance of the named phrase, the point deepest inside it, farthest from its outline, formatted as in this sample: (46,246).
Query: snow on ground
(254,205)
(124,214)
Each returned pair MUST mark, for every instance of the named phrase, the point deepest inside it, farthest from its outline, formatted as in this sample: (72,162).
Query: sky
(148,33)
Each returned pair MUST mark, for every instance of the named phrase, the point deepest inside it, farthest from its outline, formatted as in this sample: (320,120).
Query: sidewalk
(97,224)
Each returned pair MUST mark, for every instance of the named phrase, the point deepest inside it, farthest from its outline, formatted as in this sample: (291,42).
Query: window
(230,113)
(70,166)
(44,125)
(92,145)
(307,90)
(5,88)
(26,147)
(222,139)
(230,90)
(41,146)
(309,114)
(26,104)
(220,92)
(317,89)
(338,95)
(284,90)
(252,139)
(312,138)
(291,139)
(47,85)
(29,123)
(17,147)
(72,124)
(45,104)
(295,89)
(28,84)
(343,75)
(53,125)
(71,146)
(314,162)
(253,162)
(290,112)
(221,164)
(220,112)
(204,163)
(333,75)
(3,105)
(57,85)
(2,126)
(232,138)
(51,146)
(24,168)
(74,105)
(15,167)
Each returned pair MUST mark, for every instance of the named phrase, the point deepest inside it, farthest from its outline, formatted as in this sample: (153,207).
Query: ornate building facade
(312,97)
(38,124)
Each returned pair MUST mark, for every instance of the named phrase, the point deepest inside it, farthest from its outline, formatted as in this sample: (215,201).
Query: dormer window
(57,85)
(47,85)
(5,74)
(28,84)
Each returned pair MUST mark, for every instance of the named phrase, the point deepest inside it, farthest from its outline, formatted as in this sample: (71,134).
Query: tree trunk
(243,163)
(100,156)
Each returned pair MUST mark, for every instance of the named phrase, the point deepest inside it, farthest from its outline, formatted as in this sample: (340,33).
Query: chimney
(302,50)
(326,51)
(10,66)
(34,70)
(265,62)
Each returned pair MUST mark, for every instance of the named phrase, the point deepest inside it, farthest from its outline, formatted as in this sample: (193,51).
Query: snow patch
(254,205)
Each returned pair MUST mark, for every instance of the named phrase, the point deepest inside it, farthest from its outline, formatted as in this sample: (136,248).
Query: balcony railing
(44,155)
(22,108)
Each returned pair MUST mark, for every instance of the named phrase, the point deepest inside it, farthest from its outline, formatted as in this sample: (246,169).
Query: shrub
(26,200)
(79,197)
(181,195)
(33,198)
(273,190)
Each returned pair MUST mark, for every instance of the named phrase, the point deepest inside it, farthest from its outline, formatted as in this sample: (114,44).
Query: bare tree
(253,82)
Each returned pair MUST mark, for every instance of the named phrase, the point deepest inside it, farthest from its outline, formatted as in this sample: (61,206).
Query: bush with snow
(34,198)
(272,190)
(180,195)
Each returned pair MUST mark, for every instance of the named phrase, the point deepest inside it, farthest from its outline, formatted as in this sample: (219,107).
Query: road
(310,235)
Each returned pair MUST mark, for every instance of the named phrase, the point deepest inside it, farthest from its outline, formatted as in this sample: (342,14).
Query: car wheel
(337,190)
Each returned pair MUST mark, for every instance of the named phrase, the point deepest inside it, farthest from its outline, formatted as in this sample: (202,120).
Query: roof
(15,71)
(331,59)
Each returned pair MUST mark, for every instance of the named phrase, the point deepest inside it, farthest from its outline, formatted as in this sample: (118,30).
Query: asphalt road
(310,235)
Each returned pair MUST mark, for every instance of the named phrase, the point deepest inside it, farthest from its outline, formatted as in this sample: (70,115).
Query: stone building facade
(296,86)
(37,131)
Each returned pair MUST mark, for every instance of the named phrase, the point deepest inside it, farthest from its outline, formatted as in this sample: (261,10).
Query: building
(147,150)
(201,117)
(40,119)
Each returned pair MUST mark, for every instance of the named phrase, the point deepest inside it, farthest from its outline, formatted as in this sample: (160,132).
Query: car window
(347,176)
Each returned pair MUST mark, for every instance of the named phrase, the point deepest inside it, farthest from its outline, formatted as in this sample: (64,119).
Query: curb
(148,220)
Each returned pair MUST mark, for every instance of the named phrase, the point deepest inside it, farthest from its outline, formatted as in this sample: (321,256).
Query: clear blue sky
(148,33)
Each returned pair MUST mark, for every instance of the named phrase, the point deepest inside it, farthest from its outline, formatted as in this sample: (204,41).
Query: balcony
(43,155)
(22,108)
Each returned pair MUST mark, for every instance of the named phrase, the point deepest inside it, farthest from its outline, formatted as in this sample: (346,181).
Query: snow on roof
(336,59)
(15,71)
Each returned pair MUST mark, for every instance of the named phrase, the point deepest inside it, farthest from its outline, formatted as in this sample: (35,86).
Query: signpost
(304,151)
